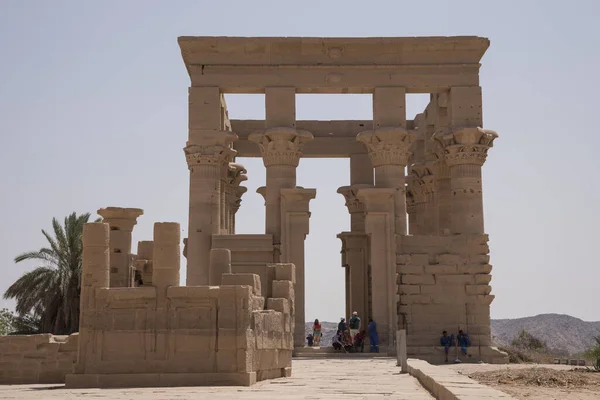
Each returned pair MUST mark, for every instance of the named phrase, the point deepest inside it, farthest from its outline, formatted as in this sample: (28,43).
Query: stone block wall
(32,359)
(444,284)
(202,335)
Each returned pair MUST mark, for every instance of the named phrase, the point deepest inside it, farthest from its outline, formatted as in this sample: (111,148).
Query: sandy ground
(312,379)
(533,382)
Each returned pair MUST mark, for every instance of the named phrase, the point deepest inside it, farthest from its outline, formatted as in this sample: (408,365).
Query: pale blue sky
(93,113)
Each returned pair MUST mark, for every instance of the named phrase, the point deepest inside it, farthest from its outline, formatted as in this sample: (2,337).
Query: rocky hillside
(562,333)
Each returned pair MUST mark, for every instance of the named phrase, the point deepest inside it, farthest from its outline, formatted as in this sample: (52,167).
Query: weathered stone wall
(203,335)
(444,284)
(30,359)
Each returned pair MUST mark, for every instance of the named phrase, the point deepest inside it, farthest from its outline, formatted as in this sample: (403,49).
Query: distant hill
(562,333)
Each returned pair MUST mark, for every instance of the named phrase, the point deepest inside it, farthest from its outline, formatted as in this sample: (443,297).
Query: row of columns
(444,155)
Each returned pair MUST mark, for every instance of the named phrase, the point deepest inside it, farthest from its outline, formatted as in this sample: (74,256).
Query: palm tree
(50,292)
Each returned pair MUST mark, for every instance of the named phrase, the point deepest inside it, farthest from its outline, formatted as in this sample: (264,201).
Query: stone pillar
(388,145)
(220,263)
(295,217)
(121,222)
(465,151)
(207,152)
(281,149)
(94,275)
(166,256)
(355,252)
(236,175)
(380,226)
(431,216)
(464,148)
(361,169)
(355,260)
(144,262)
(442,188)
(415,203)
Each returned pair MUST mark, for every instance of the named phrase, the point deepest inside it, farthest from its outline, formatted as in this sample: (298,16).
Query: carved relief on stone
(466,145)
(424,174)
(414,190)
(281,146)
(388,145)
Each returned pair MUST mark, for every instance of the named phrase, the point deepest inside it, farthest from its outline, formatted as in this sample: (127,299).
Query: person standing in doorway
(317,333)
(373,336)
(354,324)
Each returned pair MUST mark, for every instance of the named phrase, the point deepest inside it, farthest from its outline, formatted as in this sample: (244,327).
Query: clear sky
(93,113)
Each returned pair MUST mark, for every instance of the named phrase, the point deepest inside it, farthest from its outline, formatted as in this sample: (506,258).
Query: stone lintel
(332,139)
(333,65)
(373,51)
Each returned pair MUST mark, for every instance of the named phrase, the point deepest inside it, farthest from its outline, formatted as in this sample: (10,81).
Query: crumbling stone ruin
(416,256)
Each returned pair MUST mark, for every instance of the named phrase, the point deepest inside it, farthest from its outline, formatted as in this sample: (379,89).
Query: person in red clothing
(359,341)
(317,333)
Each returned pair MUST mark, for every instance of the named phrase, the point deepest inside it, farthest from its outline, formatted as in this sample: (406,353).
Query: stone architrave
(207,152)
(281,150)
(121,222)
(295,217)
(389,149)
(465,151)
(233,194)
(380,226)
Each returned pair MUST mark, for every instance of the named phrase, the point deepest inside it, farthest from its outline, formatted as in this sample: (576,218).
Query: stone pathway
(313,379)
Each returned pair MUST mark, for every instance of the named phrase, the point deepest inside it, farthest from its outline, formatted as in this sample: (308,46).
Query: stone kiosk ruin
(416,257)
(428,276)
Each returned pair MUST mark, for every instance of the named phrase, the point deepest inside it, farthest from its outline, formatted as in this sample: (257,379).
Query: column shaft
(204,214)
(467,199)
(278,177)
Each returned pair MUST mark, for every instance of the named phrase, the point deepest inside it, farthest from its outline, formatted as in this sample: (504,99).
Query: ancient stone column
(295,217)
(431,216)
(415,203)
(207,152)
(121,222)
(281,149)
(95,274)
(239,192)
(354,260)
(442,188)
(166,256)
(389,149)
(236,175)
(380,225)
(220,263)
(465,151)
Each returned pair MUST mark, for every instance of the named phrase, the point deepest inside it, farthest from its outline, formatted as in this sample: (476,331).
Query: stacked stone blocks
(165,335)
(444,284)
(29,359)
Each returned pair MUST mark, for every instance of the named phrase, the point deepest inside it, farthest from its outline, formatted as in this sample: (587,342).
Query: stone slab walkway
(312,379)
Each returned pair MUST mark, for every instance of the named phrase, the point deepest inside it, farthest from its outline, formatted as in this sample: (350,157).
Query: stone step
(329,352)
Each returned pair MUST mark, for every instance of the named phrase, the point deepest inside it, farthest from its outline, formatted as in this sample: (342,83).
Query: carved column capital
(213,148)
(388,145)
(281,146)
(354,204)
(465,145)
